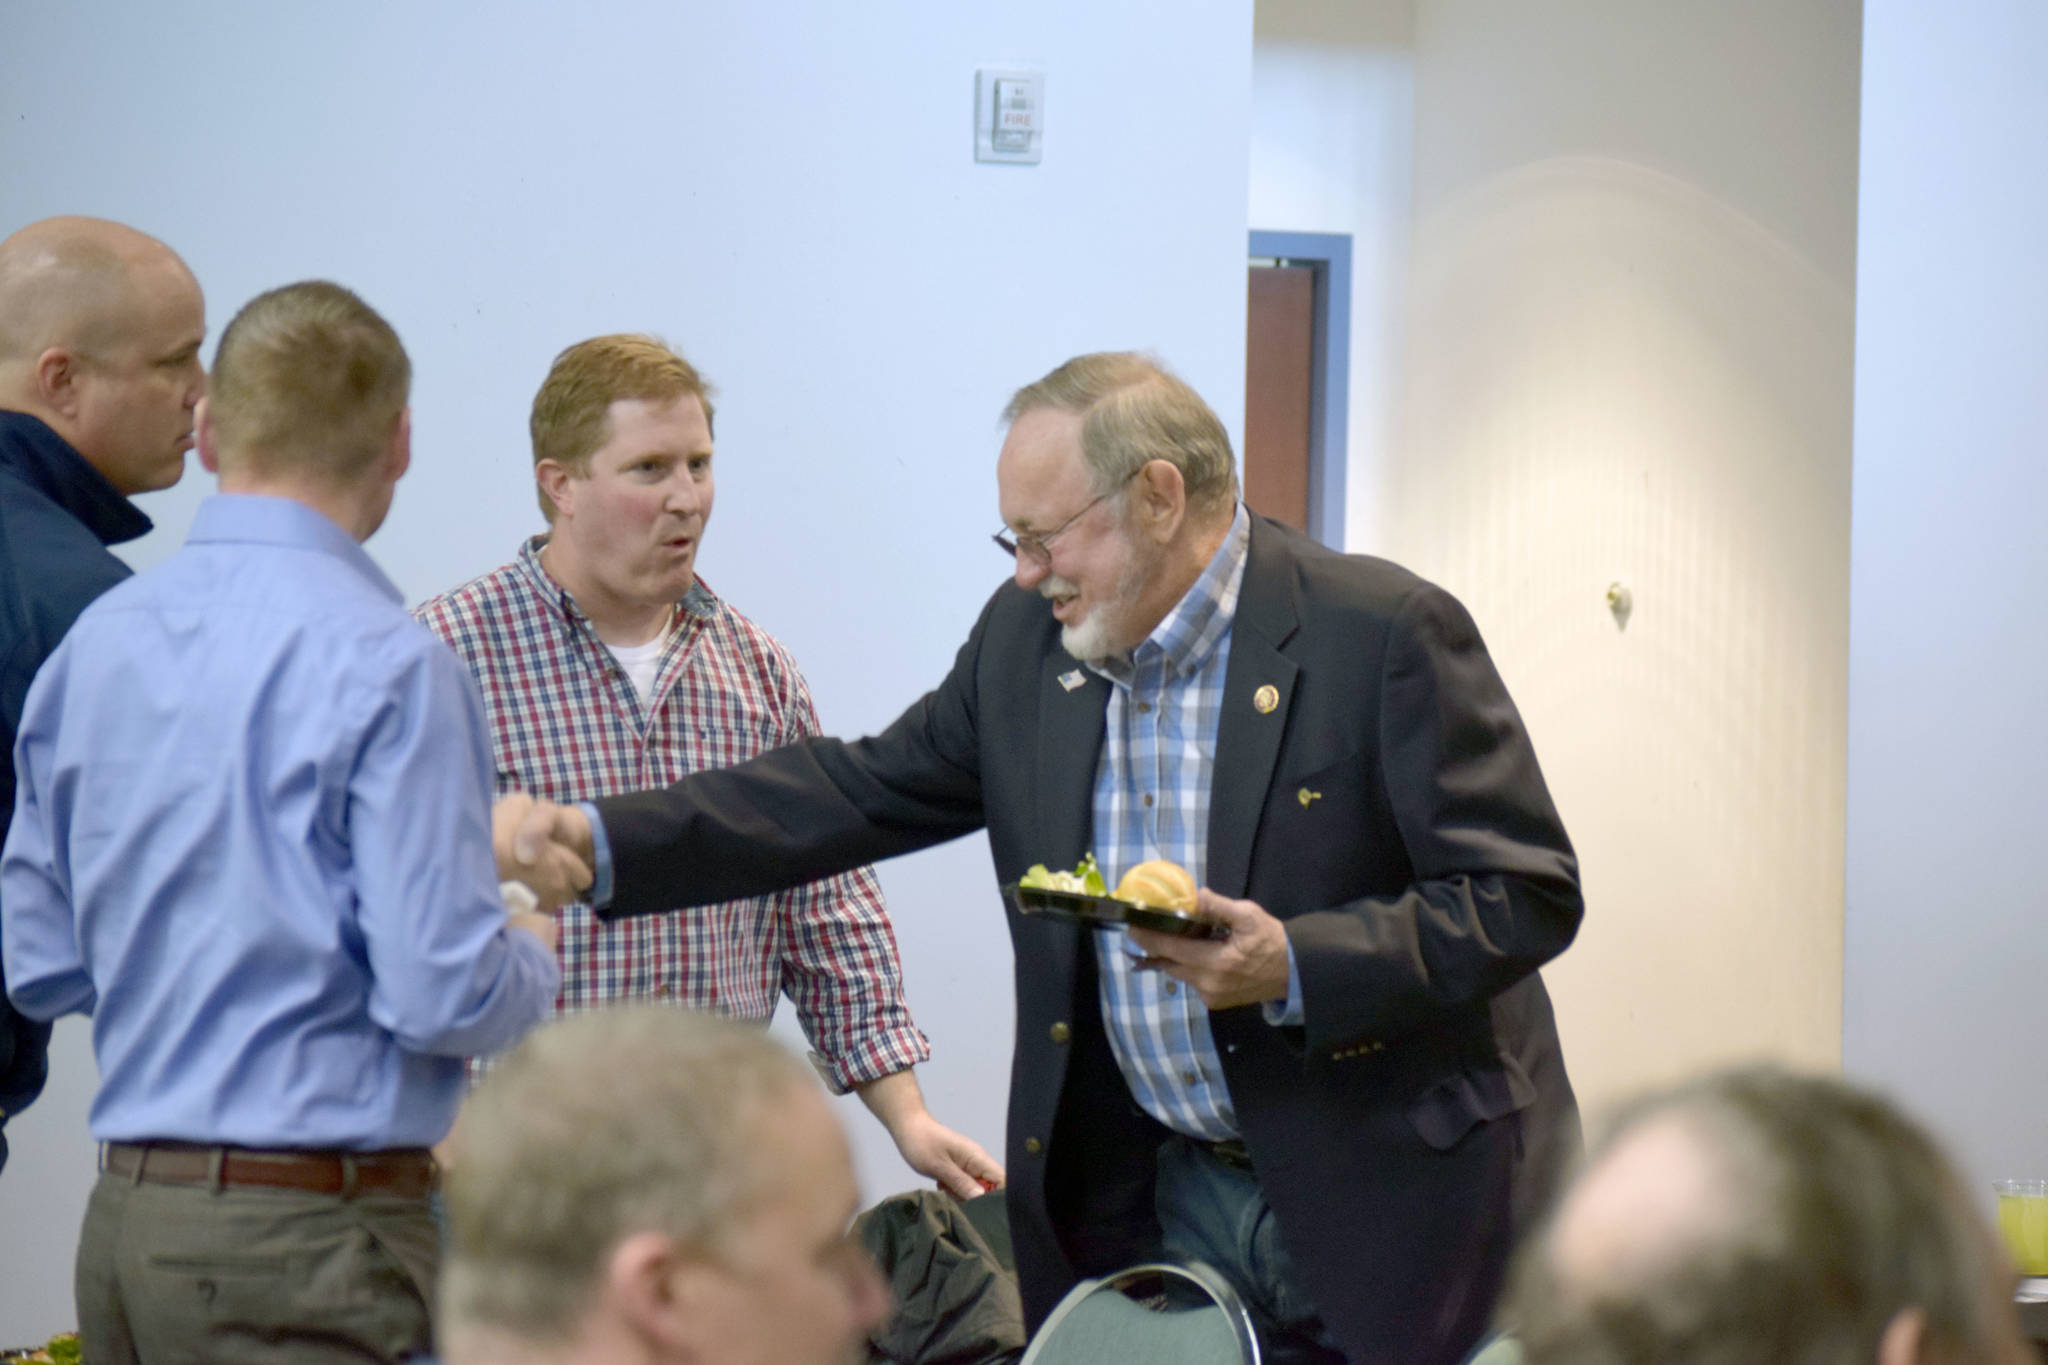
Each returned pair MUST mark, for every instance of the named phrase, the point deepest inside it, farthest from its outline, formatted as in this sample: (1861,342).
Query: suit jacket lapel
(1247,736)
(1070,722)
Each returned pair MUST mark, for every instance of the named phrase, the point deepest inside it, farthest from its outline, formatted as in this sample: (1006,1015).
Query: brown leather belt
(409,1172)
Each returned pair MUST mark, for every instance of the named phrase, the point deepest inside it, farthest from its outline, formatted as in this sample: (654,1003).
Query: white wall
(1627,355)
(1333,96)
(787,192)
(1948,732)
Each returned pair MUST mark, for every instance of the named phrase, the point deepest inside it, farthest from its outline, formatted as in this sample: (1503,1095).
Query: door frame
(1328,254)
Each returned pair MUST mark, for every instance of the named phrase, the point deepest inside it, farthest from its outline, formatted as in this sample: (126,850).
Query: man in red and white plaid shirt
(608,666)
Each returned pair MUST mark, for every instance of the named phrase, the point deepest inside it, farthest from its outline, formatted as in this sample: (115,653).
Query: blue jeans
(1213,1211)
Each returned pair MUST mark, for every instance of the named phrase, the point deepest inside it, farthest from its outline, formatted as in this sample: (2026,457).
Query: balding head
(1758,1217)
(100,328)
(1665,1194)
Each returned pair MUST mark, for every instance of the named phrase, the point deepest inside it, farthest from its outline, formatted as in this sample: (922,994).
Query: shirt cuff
(1288,1013)
(872,1058)
(600,897)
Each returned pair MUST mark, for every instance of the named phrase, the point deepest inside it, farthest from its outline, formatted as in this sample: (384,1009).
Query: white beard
(1088,641)
(1097,636)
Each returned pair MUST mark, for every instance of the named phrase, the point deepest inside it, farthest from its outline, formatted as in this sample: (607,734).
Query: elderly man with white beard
(1348,1103)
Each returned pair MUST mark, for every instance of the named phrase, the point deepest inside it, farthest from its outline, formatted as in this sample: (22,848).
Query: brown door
(1279,378)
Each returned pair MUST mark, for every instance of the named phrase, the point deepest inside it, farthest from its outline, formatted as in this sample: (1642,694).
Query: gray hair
(595,1128)
(1840,1213)
(1134,411)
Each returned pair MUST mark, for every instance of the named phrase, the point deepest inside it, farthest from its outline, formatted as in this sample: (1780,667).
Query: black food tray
(1107,912)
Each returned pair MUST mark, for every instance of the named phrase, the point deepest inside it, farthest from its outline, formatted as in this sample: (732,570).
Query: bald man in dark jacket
(100,327)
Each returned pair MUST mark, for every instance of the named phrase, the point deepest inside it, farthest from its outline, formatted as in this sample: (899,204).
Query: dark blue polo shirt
(57,516)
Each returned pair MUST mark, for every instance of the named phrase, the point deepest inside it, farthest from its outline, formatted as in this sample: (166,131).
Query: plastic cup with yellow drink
(2023,1220)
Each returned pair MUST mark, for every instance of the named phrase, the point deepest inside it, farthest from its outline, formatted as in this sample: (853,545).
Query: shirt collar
(699,602)
(1202,617)
(252,519)
(49,464)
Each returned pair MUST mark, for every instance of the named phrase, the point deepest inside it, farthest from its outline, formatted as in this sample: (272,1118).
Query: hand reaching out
(543,845)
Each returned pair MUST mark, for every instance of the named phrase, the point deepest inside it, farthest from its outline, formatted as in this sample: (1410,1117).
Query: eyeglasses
(1039,548)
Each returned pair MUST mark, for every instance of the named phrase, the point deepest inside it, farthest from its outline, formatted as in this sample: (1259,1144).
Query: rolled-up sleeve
(842,968)
(846,979)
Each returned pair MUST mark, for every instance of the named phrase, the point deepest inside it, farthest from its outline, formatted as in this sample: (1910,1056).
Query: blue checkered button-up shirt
(1152,801)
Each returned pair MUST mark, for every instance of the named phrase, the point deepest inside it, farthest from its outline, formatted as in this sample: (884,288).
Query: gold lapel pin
(1305,796)
(1265,699)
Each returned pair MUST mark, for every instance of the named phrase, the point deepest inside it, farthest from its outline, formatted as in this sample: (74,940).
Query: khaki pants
(169,1274)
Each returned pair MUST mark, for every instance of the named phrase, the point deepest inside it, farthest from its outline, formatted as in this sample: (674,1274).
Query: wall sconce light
(1621,602)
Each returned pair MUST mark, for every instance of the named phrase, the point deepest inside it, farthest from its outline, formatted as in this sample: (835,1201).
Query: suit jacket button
(1033,1146)
(1060,1032)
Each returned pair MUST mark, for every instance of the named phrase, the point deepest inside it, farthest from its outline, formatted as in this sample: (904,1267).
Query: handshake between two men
(544,847)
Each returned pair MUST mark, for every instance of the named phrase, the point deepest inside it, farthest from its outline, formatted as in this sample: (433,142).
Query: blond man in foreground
(652,1186)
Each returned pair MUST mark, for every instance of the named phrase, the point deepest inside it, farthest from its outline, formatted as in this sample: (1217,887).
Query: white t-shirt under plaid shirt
(1152,801)
(567,724)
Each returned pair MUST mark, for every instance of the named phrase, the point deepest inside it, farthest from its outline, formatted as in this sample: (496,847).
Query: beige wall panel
(1627,355)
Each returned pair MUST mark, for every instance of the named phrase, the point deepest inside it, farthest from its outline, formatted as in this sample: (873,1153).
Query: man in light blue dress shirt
(256,851)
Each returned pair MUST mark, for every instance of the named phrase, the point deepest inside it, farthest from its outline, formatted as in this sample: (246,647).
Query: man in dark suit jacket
(1325,739)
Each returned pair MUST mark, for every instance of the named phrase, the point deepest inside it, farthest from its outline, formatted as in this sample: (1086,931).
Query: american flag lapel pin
(1071,679)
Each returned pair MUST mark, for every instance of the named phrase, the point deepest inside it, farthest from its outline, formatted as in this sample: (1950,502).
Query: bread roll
(1159,884)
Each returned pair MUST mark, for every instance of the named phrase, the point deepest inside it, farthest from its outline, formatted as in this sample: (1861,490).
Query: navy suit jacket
(1389,808)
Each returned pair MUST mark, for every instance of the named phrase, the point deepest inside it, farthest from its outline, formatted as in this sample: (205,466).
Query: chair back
(1496,1350)
(1153,1314)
